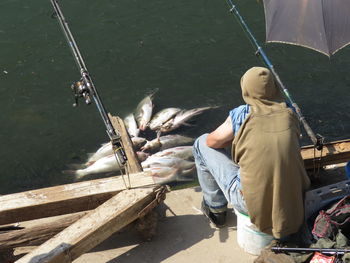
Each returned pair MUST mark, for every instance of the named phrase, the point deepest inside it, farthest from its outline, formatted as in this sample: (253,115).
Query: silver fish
(105,164)
(181,118)
(167,141)
(162,117)
(138,142)
(183,152)
(106,149)
(142,156)
(167,161)
(131,125)
(143,112)
(164,175)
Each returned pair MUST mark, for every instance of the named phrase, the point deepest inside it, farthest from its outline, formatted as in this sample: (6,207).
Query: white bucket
(248,237)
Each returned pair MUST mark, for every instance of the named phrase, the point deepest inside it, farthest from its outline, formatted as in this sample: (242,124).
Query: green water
(192,52)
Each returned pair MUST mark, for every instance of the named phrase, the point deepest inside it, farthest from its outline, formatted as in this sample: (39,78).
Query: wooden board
(93,228)
(37,231)
(64,199)
(332,153)
(133,163)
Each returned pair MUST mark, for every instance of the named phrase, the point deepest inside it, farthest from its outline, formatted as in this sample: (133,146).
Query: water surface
(192,52)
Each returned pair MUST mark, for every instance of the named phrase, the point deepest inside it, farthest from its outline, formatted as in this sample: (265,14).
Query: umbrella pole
(317,140)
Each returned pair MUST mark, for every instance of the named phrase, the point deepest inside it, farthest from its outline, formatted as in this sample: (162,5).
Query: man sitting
(266,178)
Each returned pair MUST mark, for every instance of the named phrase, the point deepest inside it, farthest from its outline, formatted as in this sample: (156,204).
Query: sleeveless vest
(272,172)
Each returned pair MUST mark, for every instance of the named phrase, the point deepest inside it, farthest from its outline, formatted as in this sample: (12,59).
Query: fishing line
(316,139)
(85,88)
(122,167)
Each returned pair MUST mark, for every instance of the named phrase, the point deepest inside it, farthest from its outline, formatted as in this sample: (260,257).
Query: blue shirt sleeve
(238,116)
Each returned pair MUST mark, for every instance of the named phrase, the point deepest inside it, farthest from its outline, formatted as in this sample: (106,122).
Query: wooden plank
(93,228)
(133,163)
(37,232)
(332,153)
(65,199)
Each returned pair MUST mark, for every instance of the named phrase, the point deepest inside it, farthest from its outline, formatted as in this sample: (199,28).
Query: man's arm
(222,136)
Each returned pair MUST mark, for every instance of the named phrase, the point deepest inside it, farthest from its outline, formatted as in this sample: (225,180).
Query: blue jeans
(218,177)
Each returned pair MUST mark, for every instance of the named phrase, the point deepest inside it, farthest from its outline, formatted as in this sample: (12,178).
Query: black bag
(328,222)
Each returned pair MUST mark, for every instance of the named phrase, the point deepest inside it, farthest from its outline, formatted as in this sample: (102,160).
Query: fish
(166,142)
(138,142)
(183,152)
(106,149)
(106,164)
(165,175)
(142,156)
(162,117)
(167,161)
(131,125)
(181,118)
(143,113)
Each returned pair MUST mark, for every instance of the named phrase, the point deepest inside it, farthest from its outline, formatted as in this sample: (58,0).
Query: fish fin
(89,155)
(88,164)
(213,107)
(153,92)
(187,124)
(78,177)
(188,171)
(159,133)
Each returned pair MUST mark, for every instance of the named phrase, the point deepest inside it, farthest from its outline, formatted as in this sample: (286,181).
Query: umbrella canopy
(322,25)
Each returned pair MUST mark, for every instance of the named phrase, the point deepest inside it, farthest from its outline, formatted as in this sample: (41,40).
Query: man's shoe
(218,219)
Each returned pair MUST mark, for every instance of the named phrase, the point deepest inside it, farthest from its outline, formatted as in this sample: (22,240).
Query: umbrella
(322,25)
(316,139)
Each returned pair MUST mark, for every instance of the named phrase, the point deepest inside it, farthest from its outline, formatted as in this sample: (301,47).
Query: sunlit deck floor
(183,235)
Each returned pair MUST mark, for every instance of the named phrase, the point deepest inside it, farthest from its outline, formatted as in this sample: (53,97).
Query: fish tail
(79,174)
(153,92)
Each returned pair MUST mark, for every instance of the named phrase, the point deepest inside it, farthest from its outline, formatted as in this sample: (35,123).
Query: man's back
(272,172)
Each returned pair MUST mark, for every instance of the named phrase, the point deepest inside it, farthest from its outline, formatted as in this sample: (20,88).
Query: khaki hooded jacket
(267,150)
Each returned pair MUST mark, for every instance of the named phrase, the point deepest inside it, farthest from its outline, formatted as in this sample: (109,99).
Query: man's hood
(259,89)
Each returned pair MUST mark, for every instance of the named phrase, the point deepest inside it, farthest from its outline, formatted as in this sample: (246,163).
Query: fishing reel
(118,150)
(80,90)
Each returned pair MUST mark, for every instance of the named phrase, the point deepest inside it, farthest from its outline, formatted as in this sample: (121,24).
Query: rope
(318,163)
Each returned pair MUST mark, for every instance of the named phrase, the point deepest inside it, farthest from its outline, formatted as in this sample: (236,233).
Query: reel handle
(80,90)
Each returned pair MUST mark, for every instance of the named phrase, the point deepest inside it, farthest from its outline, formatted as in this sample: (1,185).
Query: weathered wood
(64,199)
(133,163)
(93,228)
(36,233)
(332,153)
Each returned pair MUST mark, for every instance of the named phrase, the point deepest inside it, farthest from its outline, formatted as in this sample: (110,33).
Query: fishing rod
(316,139)
(85,88)
(330,251)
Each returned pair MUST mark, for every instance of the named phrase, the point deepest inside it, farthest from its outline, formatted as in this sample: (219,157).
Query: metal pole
(337,251)
(86,88)
(317,140)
